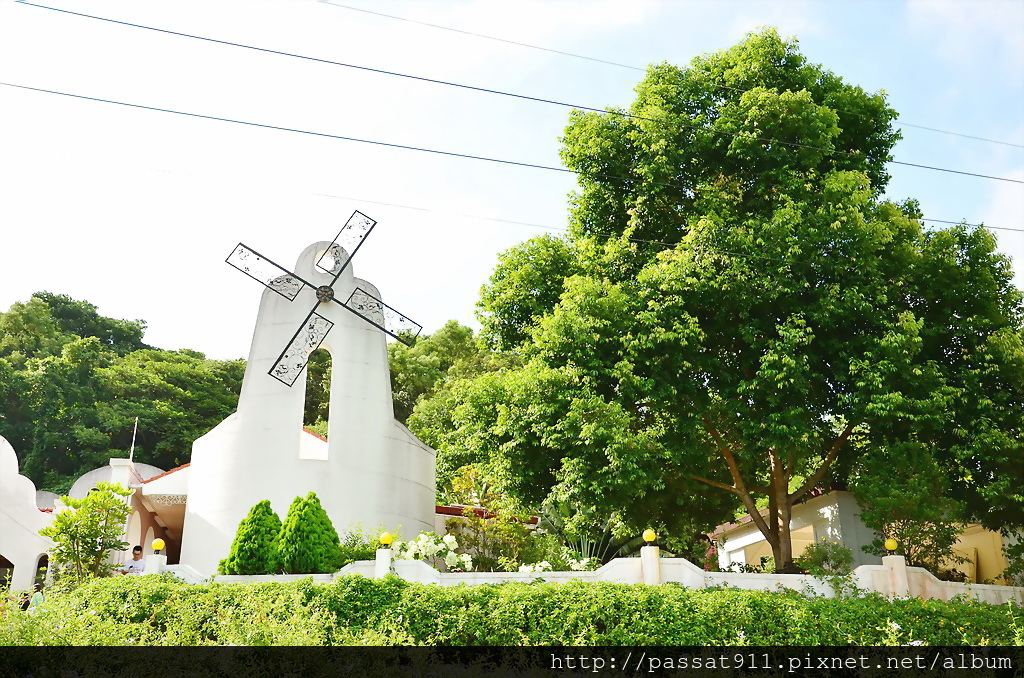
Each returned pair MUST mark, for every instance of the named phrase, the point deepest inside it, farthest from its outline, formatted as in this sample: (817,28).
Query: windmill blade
(351,238)
(377,313)
(263,270)
(293,359)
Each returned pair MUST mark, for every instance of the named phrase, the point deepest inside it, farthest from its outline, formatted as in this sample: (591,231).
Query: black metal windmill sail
(315,327)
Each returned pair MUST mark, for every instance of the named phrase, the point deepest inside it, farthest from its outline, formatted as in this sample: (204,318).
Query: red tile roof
(315,435)
(165,473)
(48,509)
(479,512)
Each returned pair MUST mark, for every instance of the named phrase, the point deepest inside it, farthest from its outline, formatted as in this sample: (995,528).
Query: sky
(135,210)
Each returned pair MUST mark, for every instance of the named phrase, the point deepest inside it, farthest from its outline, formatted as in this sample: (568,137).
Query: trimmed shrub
(309,543)
(254,550)
(354,610)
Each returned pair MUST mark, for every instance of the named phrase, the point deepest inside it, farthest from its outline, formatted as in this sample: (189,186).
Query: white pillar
(155,563)
(650,564)
(121,471)
(898,581)
(382,566)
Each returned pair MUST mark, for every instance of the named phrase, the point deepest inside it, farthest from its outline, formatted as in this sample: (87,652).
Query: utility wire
(615,63)
(375,143)
(502,93)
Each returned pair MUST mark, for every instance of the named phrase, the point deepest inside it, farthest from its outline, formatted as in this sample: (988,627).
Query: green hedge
(158,610)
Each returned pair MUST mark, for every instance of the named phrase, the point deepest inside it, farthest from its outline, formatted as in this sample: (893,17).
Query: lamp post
(156,562)
(891,545)
(382,564)
(650,558)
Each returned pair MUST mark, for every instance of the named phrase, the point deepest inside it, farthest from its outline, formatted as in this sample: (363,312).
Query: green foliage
(826,557)
(320,428)
(355,545)
(41,326)
(417,372)
(735,320)
(156,610)
(435,361)
(88,531)
(490,528)
(527,282)
(832,562)
(73,381)
(254,550)
(308,543)
(318,387)
(1014,572)
(910,503)
(499,535)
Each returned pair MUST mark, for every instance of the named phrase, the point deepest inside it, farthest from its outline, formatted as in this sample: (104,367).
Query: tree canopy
(739,317)
(73,382)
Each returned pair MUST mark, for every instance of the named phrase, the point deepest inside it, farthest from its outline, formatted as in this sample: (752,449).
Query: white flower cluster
(542,566)
(428,546)
(579,565)
(545,566)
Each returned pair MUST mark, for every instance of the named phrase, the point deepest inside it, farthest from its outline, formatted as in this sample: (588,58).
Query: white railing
(892,578)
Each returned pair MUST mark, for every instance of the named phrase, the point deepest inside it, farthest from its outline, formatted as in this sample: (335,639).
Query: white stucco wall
(125,473)
(376,473)
(834,516)
(20,520)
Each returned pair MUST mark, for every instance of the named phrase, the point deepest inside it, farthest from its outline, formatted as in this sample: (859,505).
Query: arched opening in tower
(318,391)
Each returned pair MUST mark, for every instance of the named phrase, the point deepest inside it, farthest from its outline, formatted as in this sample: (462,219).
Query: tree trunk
(784,553)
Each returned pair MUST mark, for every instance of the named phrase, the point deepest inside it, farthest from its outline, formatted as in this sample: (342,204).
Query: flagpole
(131,453)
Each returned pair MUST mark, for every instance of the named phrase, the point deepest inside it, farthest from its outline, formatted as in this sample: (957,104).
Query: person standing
(37,599)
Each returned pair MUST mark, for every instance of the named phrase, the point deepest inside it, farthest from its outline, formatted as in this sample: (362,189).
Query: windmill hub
(315,327)
(324,293)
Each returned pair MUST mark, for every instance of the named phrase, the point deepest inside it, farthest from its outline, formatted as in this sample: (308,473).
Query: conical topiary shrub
(254,550)
(309,543)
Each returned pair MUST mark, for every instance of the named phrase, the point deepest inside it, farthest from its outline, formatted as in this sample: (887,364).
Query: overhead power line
(614,63)
(376,143)
(500,92)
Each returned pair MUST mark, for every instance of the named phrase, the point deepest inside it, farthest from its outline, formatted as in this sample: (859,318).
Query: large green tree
(749,315)
(73,381)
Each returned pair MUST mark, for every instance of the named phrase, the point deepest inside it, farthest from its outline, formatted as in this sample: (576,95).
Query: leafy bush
(909,503)
(1014,572)
(355,546)
(500,537)
(254,550)
(158,610)
(88,531)
(309,543)
(832,562)
(826,557)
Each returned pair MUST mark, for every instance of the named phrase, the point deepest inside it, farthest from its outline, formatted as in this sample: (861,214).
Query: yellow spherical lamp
(649,536)
(386,539)
(891,545)
(158,546)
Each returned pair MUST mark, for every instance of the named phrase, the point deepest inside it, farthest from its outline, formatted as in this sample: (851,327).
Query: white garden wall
(892,578)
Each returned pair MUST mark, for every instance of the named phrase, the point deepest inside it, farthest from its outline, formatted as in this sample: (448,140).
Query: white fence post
(898,580)
(382,566)
(650,564)
(155,563)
